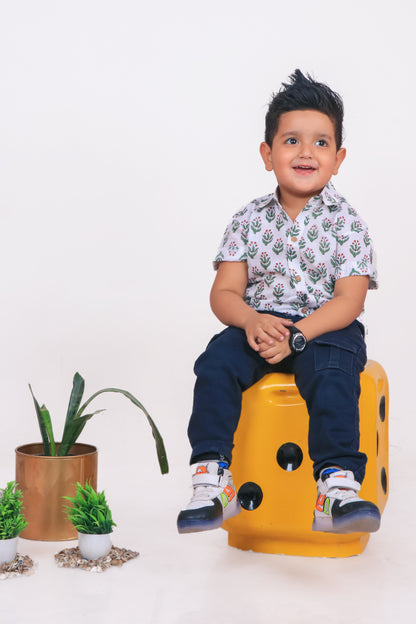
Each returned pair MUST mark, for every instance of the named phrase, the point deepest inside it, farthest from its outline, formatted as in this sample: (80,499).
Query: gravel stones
(71,558)
(21,564)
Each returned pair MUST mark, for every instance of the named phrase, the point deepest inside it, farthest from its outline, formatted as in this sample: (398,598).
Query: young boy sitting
(293,272)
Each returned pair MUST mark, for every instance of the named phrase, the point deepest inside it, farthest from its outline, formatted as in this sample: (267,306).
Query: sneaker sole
(187,524)
(360,522)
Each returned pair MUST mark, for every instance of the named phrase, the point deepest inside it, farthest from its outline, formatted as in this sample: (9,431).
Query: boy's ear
(266,154)
(341,153)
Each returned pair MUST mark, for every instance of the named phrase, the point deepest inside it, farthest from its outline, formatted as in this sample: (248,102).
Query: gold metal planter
(45,480)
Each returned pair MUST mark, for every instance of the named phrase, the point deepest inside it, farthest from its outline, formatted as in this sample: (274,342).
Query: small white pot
(8,550)
(94,546)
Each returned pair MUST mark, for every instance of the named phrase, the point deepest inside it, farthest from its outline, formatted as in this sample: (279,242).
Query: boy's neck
(292,204)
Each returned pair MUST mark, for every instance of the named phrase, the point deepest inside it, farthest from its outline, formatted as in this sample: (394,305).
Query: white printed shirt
(293,265)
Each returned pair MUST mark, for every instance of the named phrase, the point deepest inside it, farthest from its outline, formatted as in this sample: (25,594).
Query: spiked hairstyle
(304,93)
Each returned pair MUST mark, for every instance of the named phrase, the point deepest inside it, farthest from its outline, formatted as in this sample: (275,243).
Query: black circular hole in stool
(289,456)
(384,480)
(250,495)
(382,408)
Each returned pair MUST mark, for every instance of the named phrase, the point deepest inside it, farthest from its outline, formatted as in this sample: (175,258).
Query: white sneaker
(214,499)
(339,509)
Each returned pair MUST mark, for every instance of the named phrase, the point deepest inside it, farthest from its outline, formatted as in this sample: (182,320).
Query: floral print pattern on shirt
(293,266)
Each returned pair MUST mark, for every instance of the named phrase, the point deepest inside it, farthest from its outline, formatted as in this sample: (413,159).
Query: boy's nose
(305,150)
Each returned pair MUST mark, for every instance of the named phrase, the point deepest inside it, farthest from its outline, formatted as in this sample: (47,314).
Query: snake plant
(76,420)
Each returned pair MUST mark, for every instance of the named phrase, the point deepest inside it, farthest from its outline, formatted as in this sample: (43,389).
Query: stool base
(347,546)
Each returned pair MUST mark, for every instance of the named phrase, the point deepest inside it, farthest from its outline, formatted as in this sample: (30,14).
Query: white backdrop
(129,135)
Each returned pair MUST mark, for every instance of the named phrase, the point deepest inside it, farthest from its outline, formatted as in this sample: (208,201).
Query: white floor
(199,578)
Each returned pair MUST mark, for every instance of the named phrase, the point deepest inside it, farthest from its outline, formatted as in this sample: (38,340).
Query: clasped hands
(269,336)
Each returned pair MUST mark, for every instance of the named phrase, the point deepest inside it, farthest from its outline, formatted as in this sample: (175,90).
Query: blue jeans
(327,374)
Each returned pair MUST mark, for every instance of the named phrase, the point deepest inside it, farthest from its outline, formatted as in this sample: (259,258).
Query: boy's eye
(291,141)
(322,143)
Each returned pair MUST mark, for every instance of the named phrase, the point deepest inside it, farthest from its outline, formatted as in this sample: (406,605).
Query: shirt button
(305,310)
(298,278)
(294,239)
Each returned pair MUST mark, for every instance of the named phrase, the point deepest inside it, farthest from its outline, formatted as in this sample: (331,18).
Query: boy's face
(303,155)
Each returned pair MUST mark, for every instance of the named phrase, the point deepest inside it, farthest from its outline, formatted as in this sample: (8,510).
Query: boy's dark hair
(304,93)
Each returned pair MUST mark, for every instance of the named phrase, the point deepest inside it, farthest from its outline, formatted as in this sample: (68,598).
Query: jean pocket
(350,359)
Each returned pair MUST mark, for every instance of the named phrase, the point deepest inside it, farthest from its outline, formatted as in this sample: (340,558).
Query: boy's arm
(345,306)
(228,305)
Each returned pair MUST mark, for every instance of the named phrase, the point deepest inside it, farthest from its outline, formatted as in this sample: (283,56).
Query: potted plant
(12,521)
(91,517)
(48,471)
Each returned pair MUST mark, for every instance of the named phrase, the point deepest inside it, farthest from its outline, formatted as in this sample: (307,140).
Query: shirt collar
(329,196)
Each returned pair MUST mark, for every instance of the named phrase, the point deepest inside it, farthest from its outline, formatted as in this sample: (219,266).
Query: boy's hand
(266,330)
(227,302)
(273,354)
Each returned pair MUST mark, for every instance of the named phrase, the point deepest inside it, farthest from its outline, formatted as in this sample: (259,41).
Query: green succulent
(12,520)
(76,420)
(89,512)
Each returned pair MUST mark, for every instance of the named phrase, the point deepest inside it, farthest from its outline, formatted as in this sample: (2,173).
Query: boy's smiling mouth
(304,169)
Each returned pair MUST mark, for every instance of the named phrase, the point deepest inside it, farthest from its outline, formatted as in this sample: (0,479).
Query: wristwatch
(297,341)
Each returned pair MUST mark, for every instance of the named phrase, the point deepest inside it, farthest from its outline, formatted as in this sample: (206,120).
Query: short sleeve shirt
(293,265)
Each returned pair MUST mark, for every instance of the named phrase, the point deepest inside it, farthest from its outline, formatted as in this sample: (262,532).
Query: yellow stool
(273,473)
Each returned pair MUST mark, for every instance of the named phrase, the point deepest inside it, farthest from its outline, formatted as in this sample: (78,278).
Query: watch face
(298,342)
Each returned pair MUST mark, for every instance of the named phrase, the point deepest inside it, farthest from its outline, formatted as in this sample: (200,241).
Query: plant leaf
(48,425)
(45,426)
(73,431)
(75,399)
(160,447)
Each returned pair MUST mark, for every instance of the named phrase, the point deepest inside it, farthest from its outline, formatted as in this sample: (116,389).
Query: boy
(293,271)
